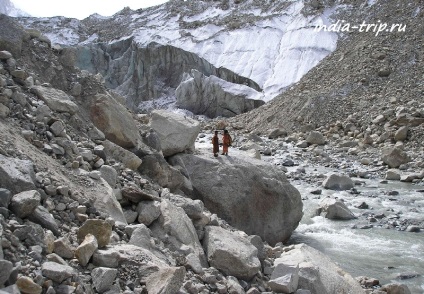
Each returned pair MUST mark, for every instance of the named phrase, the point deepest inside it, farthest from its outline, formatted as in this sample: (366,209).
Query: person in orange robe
(226,142)
(215,143)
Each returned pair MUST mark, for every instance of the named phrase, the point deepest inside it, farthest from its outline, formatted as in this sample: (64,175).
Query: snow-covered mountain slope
(274,43)
(8,8)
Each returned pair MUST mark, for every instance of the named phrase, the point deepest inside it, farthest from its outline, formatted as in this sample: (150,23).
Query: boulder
(6,268)
(396,289)
(57,272)
(100,229)
(213,97)
(317,273)
(4,111)
(275,133)
(103,278)
(334,209)
(86,249)
(11,39)
(231,253)
(176,132)
(338,182)
(63,248)
(176,230)
(56,99)
(315,137)
(284,278)
(129,159)
(401,134)
(109,174)
(27,285)
(40,215)
(394,157)
(251,195)
(167,280)
(141,237)
(24,203)
(393,175)
(148,212)
(114,120)
(16,175)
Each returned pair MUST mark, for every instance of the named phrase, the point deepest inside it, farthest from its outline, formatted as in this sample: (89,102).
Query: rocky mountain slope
(270,44)
(8,8)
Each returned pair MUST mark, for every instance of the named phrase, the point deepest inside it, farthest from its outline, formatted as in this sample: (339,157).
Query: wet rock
(413,229)
(338,182)
(56,272)
(166,280)
(24,203)
(103,278)
(176,132)
(231,253)
(334,209)
(101,229)
(396,289)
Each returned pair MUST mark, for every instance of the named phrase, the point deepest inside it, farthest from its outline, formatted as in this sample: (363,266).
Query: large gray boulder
(56,99)
(23,204)
(394,157)
(338,182)
(315,137)
(317,273)
(16,175)
(176,132)
(251,195)
(212,96)
(114,120)
(129,159)
(231,253)
(334,209)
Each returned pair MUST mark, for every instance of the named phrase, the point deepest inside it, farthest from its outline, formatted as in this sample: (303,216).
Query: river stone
(166,280)
(338,182)
(28,286)
(231,253)
(86,249)
(101,229)
(284,278)
(249,194)
(177,133)
(56,99)
(394,157)
(393,175)
(334,209)
(213,97)
(16,175)
(24,203)
(396,289)
(315,137)
(114,120)
(103,278)
(317,273)
(56,272)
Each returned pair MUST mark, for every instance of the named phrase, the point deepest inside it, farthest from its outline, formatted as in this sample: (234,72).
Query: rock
(40,215)
(231,253)
(379,119)
(166,280)
(176,230)
(275,133)
(11,40)
(177,133)
(6,268)
(16,175)
(130,215)
(109,174)
(392,175)
(28,286)
(114,120)
(413,229)
(103,278)
(284,278)
(315,137)
(141,237)
(86,249)
(152,140)
(401,134)
(101,229)
(5,55)
(56,272)
(270,207)
(193,208)
(56,99)
(334,209)
(5,197)
(213,97)
(396,289)
(317,273)
(135,194)
(338,182)
(4,111)
(24,203)
(148,211)
(129,159)
(63,248)
(394,157)
(58,129)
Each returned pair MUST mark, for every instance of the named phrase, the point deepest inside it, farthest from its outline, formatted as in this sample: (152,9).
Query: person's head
(225,131)
(216,132)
